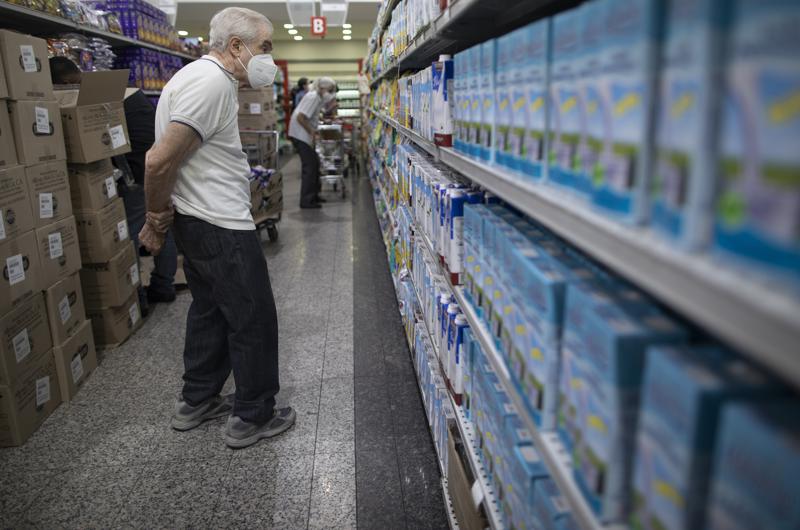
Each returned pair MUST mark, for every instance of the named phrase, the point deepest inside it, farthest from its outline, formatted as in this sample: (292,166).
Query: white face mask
(260,70)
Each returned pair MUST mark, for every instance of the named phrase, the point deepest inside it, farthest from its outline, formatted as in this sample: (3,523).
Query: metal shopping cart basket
(266,182)
(333,161)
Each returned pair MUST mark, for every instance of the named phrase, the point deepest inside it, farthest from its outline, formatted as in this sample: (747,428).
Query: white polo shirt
(213,183)
(310,106)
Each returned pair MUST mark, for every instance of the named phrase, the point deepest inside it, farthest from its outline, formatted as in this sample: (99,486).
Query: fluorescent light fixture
(347,31)
(183,33)
(298,37)
(292,32)
(347,37)
(346,26)
(288,26)
(200,39)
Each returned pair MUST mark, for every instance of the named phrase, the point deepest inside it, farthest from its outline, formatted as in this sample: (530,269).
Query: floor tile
(333,493)
(379,495)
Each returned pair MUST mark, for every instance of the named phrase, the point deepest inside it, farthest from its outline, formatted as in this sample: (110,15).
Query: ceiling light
(292,32)
(347,31)
(347,37)
(288,26)
(347,26)
(183,33)
(298,37)
(200,39)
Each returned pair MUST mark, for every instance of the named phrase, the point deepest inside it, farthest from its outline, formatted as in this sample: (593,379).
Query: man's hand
(161,221)
(151,239)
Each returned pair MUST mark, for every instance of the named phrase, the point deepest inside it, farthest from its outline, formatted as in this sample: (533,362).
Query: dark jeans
(310,185)
(162,279)
(232,322)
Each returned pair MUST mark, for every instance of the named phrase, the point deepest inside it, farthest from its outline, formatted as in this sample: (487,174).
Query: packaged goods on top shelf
(89,53)
(141,20)
(149,69)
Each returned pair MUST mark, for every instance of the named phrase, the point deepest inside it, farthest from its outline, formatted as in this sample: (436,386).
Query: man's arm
(303,120)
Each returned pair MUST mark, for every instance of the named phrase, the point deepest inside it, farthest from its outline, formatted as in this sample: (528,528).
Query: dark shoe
(320,199)
(156,297)
(186,417)
(240,434)
(310,206)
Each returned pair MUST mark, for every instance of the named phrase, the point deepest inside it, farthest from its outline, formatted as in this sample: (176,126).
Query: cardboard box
(92,186)
(260,122)
(75,360)
(111,284)
(48,189)
(27,68)
(59,251)
(8,150)
(94,117)
(459,485)
(24,336)
(26,404)
(19,260)
(113,325)
(103,233)
(3,85)
(65,309)
(38,135)
(15,209)
(256,101)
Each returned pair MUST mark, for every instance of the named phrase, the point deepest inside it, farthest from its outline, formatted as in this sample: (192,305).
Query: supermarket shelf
(759,319)
(448,505)
(38,23)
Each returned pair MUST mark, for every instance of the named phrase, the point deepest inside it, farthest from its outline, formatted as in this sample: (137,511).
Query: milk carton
(683,393)
(442,104)
(549,506)
(532,104)
(629,75)
(503,94)
(566,112)
(688,107)
(474,85)
(756,465)
(459,75)
(758,209)
(488,60)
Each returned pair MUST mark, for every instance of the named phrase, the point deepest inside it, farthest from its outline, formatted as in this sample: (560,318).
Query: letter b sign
(319,26)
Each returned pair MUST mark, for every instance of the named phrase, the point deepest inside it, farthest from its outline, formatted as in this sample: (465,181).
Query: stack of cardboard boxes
(95,130)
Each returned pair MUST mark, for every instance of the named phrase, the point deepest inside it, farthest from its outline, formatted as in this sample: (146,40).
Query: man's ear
(235,46)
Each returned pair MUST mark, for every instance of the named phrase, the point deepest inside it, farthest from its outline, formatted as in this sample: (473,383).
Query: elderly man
(302,130)
(197,165)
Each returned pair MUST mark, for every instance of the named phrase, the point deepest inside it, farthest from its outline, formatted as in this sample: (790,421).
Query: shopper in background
(197,164)
(299,91)
(303,130)
(140,118)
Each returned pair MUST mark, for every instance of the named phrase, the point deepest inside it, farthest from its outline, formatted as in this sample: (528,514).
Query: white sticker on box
(64,311)
(76,366)
(22,345)
(477,494)
(134,313)
(56,247)
(117,137)
(255,108)
(2,227)
(134,274)
(42,391)
(122,230)
(42,120)
(111,187)
(45,205)
(16,269)
(28,58)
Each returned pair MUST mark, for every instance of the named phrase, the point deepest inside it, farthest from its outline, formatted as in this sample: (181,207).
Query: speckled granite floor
(110,460)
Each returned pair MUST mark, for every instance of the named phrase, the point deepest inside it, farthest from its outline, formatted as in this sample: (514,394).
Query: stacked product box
(257,109)
(141,20)
(266,193)
(149,69)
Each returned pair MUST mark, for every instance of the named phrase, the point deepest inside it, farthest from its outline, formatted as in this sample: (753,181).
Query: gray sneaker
(240,434)
(186,417)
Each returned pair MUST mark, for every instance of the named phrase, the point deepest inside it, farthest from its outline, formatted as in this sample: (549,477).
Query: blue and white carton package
(532,108)
(503,93)
(549,505)
(488,59)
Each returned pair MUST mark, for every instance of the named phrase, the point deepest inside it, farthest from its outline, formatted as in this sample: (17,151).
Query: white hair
(235,21)
(325,82)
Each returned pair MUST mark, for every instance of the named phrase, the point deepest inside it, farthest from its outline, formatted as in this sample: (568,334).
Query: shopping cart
(333,161)
(266,182)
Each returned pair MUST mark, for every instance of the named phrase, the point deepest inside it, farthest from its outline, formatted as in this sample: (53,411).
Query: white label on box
(42,391)
(134,313)
(42,120)
(134,274)
(111,187)
(477,494)
(117,137)
(255,108)
(56,247)
(2,227)
(77,368)
(122,230)
(64,311)
(28,58)
(16,269)
(22,345)
(45,205)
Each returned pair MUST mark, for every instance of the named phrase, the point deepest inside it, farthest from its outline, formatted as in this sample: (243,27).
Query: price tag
(64,311)
(42,391)
(111,187)
(45,205)
(16,269)
(122,230)
(56,248)
(76,366)
(255,108)
(42,120)
(28,58)
(134,314)
(22,345)
(134,274)
(117,137)
(2,227)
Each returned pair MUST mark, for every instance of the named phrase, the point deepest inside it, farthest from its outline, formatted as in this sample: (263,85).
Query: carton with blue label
(503,94)
(549,506)
(474,88)
(488,60)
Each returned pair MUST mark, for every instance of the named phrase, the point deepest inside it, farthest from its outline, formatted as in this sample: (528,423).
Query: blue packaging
(536,109)
(475,103)
(460,91)
(488,58)
(503,93)
(549,506)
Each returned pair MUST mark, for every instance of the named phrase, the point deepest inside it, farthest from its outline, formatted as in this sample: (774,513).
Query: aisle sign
(319,26)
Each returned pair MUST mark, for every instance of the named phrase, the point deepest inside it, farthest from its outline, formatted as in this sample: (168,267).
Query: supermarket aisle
(360,451)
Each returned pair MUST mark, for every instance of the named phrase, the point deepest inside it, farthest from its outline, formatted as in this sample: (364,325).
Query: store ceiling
(194,15)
